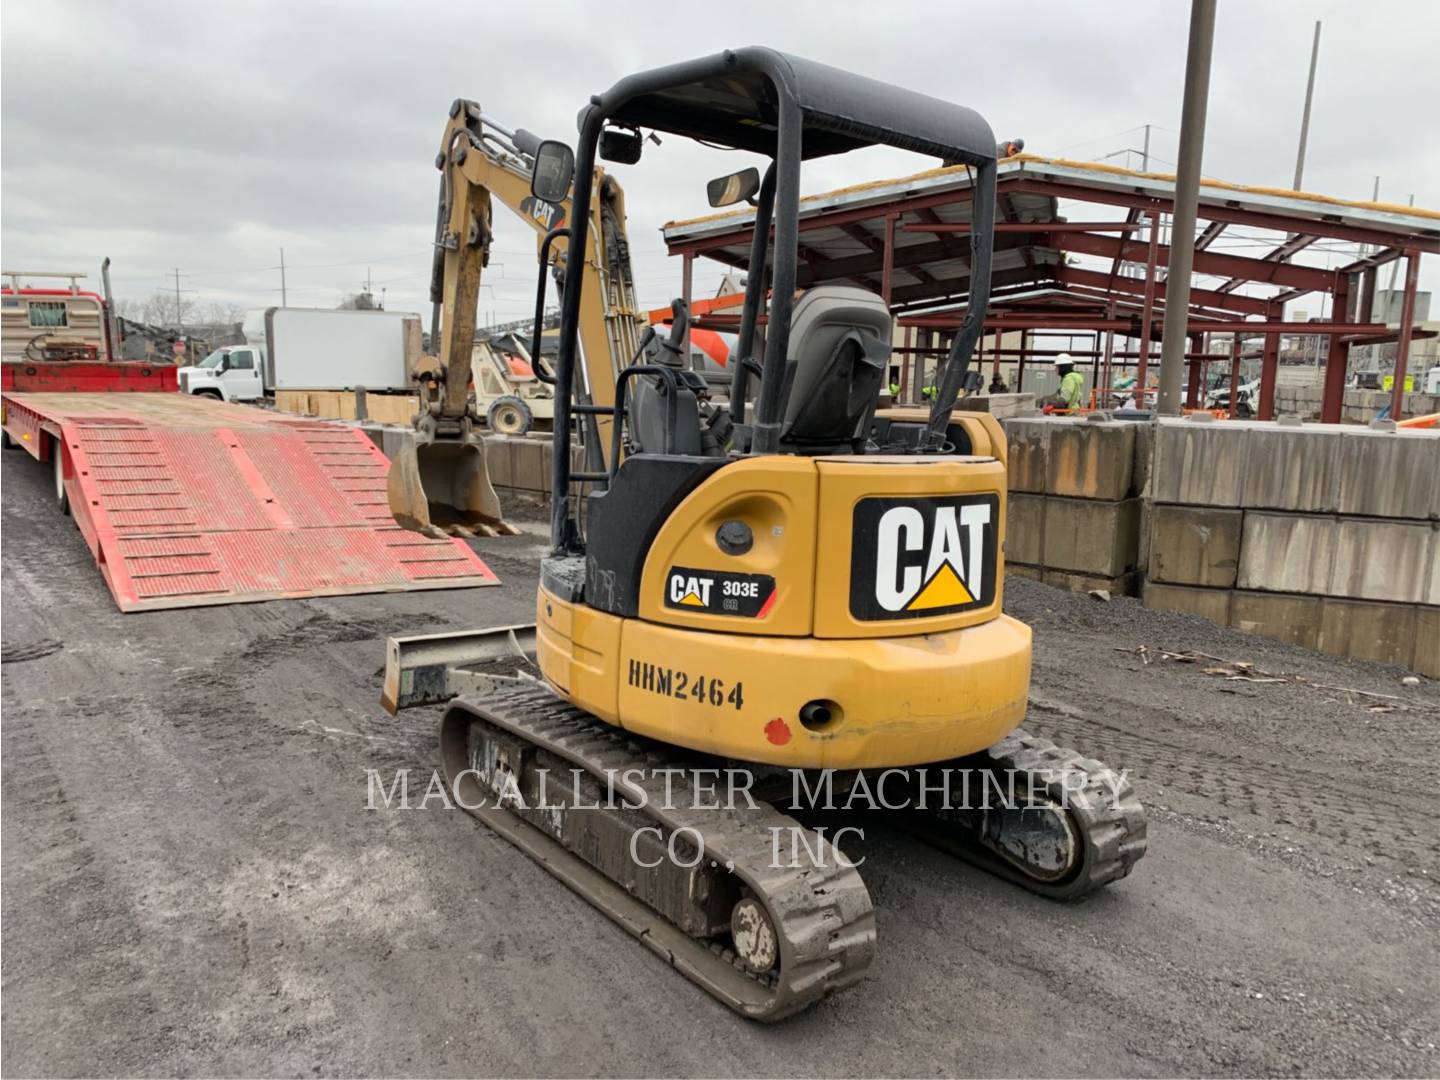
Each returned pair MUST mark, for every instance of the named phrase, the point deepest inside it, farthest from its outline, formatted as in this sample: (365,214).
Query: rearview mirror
(737,187)
(554,168)
(621,146)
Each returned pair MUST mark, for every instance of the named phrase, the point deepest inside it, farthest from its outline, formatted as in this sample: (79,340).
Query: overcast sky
(206,136)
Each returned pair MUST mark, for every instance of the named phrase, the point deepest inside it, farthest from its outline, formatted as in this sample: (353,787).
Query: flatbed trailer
(187,501)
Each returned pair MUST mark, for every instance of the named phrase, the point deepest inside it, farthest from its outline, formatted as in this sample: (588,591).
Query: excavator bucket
(443,486)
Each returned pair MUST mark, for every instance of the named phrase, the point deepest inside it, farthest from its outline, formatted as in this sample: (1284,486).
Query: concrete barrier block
(1195,545)
(1293,468)
(1087,536)
(1144,458)
(1024,528)
(1034,573)
(1381,560)
(1212,604)
(498,462)
(1027,439)
(1294,619)
(1368,630)
(1427,642)
(1431,593)
(1286,553)
(1199,464)
(999,406)
(1389,474)
(1116,585)
(529,469)
(1091,460)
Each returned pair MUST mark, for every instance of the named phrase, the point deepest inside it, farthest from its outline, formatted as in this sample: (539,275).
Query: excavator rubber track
(819,911)
(1108,818)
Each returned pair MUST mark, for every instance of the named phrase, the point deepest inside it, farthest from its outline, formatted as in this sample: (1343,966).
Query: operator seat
(840,342)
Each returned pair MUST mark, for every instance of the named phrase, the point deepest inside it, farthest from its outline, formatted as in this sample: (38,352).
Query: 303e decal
(719,592)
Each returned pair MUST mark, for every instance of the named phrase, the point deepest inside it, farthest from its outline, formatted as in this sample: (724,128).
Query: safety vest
(1072,386)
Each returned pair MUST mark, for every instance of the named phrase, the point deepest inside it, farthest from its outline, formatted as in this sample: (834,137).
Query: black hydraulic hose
(535,335)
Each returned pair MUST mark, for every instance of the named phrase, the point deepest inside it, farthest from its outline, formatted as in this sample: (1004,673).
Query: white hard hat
(1064,358)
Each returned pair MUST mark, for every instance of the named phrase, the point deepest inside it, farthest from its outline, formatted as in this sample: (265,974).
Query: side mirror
(737,187)
(621,146)
(554,169)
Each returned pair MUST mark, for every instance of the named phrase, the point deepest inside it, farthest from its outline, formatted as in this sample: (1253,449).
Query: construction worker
(1072,386)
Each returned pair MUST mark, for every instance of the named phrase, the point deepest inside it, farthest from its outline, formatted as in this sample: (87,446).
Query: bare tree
(220,312)
(364,300)
(158,309)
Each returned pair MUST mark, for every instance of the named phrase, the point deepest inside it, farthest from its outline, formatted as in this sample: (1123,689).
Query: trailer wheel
(62,498)
(509,415)
(7,441)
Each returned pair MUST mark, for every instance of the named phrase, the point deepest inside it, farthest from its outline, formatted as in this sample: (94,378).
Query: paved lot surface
(192,883)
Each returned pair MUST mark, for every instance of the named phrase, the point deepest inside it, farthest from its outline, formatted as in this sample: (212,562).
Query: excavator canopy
(733,99)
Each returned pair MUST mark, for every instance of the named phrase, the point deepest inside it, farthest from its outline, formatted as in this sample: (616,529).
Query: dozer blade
(426,669)
(443,486)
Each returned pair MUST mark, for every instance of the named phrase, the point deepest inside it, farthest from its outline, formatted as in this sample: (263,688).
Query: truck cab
(230,373)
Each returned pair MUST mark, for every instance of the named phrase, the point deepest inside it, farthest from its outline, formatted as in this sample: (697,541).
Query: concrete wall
(1074,510)
(1324,536)
(1361,406)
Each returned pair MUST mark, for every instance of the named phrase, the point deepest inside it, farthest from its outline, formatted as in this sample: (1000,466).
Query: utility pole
(283,294)
(1187,194)
(1305,116)
(179,314)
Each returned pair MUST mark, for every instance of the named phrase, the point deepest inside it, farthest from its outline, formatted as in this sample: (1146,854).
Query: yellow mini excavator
(727,626)
(444,485)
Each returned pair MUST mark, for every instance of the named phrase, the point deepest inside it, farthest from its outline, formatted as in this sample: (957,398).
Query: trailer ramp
(190,502)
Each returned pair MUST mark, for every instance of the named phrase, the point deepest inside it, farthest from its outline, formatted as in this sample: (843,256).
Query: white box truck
(310,349)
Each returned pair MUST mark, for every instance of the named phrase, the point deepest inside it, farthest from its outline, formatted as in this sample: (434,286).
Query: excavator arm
(480,163)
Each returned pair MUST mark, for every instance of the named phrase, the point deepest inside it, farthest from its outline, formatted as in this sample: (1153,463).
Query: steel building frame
(905,239)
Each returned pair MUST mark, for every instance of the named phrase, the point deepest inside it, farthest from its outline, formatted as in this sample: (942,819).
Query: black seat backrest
(840,342)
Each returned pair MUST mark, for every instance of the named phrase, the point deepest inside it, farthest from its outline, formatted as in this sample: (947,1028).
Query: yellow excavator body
(822,644)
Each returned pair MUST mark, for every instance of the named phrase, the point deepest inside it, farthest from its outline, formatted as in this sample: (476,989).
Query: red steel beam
(1210,235)
(1231,215)
(825,220)
(1292,246)
(1206,262)
(1245,305)
(949,320)
(1023,226)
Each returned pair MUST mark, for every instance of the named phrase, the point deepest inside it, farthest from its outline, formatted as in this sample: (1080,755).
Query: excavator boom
(443,485)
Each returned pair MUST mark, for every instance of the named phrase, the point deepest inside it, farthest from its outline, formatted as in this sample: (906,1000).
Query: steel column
(887,271)
(1269,367)
(1148,310)
(1234,371)
(1407,325)
(1337,360)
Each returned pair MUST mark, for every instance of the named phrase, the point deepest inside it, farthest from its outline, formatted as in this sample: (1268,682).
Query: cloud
(206,137)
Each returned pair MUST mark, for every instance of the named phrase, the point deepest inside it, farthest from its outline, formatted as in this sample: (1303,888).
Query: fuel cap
(734,537)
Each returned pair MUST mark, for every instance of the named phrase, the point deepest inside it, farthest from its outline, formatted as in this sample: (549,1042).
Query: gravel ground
(192,883)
